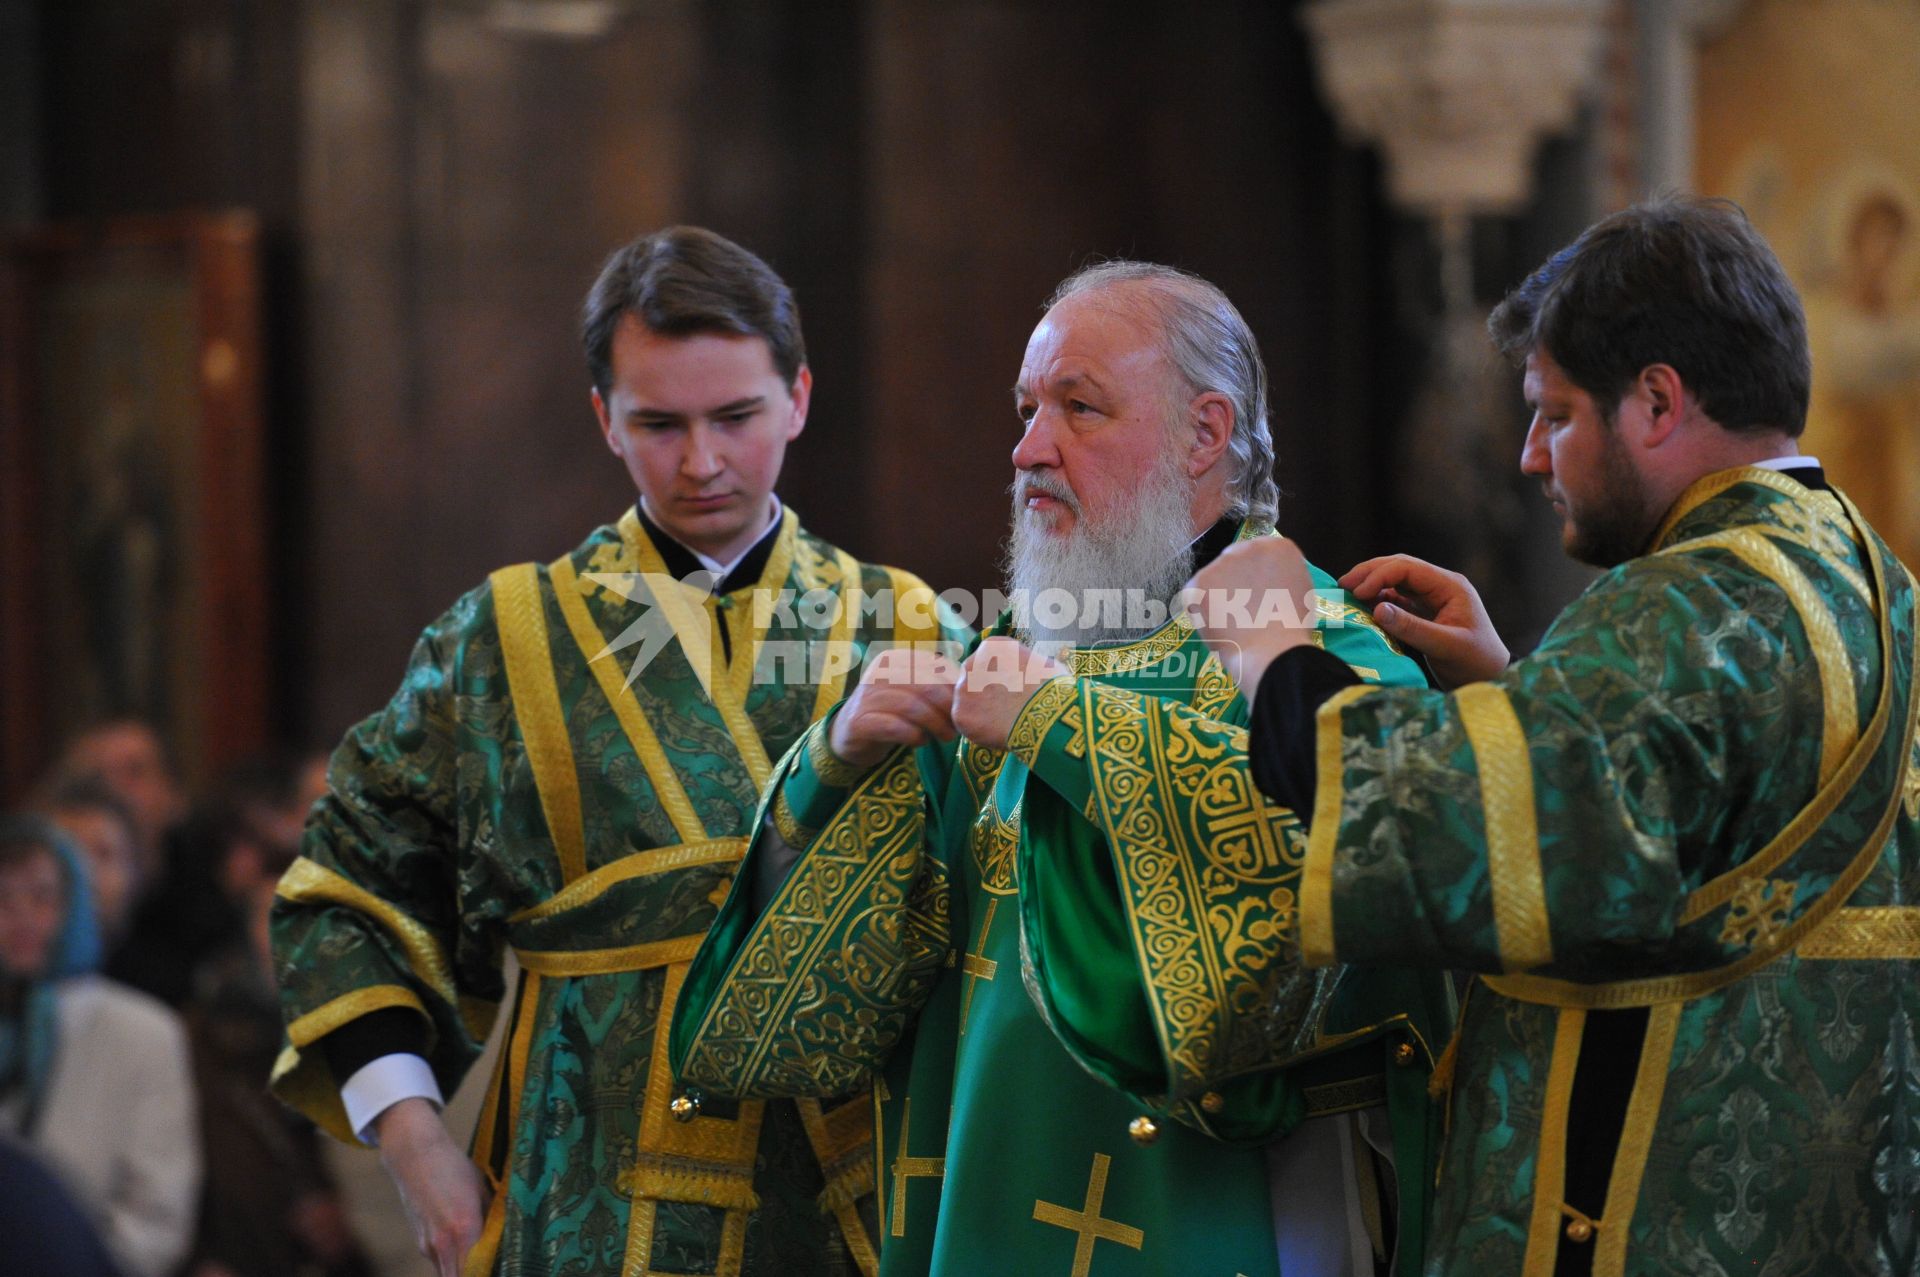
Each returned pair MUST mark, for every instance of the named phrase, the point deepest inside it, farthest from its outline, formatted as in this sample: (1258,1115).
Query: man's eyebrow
(726,409)
(1062,384)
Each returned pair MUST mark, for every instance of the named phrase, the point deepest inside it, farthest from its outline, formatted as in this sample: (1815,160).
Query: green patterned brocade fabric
(973,930)
(1699,797)
(433,855)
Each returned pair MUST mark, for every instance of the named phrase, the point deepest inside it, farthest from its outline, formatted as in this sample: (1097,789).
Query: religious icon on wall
(132,571)
(1805,118)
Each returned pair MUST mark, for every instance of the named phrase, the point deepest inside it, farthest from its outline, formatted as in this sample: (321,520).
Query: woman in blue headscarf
(93,1076)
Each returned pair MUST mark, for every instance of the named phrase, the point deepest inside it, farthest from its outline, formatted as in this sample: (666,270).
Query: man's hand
(995,684)
(442,1191)
(904,698)
(1433,611)
(1231,610)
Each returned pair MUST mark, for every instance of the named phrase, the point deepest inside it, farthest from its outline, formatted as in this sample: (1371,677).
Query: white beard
(1143,553)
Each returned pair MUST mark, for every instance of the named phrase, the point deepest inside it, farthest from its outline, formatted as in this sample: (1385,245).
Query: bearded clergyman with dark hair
(1680,841)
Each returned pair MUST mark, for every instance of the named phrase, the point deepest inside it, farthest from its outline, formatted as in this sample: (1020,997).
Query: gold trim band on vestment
(832,770)
(324,1019)
(1840,718)
(1864,933)
(1719,890)
(521,618)
(1707,487)
(839,638)
(308,882)
(1515,878)
(842,1142)
(1614,1227)
(1036,718)
(639,864)
(667,789)
(727,694)
(633,957)
(906,584)
(1650,991)
(1550,1161)
(1323,836)
(786,824)
(709,1160)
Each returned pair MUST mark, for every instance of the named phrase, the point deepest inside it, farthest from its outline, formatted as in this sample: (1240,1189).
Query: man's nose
(1037,447)
(1535,458)
(702,459)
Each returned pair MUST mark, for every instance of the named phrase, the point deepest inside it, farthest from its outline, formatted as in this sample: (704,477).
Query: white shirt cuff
(380,1084)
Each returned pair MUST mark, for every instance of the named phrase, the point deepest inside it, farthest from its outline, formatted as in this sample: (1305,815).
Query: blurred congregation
(289,358)
(138,1017)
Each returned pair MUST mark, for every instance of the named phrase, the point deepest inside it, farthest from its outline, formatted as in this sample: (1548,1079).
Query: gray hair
(1212,349)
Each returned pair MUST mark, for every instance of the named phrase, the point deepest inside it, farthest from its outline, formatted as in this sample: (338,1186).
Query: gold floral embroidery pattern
(1209,870)
(980,768)
(1038,715)
(1127,657)
(995,841)
(838,918)
(1214,690)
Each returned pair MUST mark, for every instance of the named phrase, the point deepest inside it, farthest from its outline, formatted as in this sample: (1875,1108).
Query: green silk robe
(519,792)
(934,890)
(1700,796)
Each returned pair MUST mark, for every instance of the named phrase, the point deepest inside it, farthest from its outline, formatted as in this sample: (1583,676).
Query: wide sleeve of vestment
(382,909)
(1158,889)
(808,992)
(1620,807)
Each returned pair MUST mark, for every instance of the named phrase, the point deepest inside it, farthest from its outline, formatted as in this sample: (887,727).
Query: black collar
(682,563)
(1814,477)
(1215,540)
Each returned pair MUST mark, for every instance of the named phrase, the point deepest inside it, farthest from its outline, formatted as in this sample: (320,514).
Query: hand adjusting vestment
(1117,860)
(1681,841)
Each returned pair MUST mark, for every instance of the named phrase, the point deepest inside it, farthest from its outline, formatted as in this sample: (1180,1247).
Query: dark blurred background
(435,184)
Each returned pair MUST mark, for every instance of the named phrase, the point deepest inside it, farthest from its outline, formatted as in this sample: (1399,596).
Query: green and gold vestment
(1697,805)
(1087,861)
(519,792)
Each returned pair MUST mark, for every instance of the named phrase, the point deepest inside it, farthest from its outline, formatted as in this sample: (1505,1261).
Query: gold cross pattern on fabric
(1758,909)
(1087,1221)
(906,1168)
(1913,788)
(975,966)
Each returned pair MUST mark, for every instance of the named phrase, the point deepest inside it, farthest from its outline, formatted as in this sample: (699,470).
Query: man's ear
(606,422)
(1664,398)
(1211,418)
(802,392)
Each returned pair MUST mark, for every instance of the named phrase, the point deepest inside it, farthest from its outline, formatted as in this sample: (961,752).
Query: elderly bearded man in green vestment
(522,790)
(954,896)
(1681,840)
